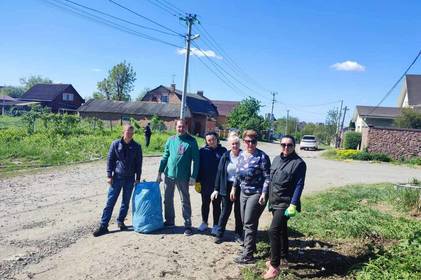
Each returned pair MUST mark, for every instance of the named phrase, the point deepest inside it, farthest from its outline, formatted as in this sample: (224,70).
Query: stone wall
(396,142)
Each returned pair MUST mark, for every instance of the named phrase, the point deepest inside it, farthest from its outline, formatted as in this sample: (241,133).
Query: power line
(396,83)
(109,23)
(169,4)
(120,19)
(144,17)
(164,8)
(234,64)
(226,72)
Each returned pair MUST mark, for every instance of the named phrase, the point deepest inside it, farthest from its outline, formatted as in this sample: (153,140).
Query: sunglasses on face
(283,145)
(254,141)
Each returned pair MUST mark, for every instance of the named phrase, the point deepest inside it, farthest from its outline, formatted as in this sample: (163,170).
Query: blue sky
(289,47)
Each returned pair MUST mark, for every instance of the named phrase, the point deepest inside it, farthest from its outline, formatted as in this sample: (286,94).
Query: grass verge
(356,231)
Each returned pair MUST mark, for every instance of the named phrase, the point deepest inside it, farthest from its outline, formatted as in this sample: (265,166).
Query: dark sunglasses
(283,145)
(254,141)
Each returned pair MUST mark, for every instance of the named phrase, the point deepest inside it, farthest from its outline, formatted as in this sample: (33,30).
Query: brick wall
(395,142)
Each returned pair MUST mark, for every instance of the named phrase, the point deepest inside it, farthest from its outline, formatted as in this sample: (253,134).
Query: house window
(67,96)
(164,98)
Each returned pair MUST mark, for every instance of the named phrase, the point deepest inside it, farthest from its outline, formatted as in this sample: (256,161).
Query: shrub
(347,154)
(352,140)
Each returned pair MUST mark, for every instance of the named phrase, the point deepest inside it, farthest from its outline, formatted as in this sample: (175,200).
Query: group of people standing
(241,179)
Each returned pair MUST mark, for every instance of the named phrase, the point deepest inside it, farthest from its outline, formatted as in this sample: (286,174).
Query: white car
(309,142)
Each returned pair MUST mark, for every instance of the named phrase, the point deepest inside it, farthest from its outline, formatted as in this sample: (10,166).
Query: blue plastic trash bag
(147,207)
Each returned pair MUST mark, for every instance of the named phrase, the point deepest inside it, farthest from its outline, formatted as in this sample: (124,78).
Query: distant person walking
(252,176)
(148,133)
(287,175)
(225,178)
(124,167)
(179,153)
(209,161)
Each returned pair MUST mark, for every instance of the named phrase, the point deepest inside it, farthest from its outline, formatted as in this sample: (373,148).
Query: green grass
(20,150)
(377,215)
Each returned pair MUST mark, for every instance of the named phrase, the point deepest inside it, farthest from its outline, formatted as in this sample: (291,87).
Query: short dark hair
(213,133)
(289,137)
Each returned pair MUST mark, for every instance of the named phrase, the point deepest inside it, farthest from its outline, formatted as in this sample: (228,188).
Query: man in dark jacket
(148,133)
(124,167)
(287,176)
(209,161)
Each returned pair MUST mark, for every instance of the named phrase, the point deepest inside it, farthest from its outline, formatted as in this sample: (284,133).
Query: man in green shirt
(180,150)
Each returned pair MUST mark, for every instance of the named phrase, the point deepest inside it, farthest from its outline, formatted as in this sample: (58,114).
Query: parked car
(309,142)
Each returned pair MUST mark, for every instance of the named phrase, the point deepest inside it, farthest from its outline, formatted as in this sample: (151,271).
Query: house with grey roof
(410,97)
(58,97)
(203,112)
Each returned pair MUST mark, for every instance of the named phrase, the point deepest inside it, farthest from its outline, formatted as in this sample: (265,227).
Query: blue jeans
(113,193)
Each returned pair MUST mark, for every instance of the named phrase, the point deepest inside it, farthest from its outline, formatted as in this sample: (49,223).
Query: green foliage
(402,261)
(135,123)
(409,118)
(349,213)
(280,125)
(12,91)
(352,140)
(157,124)
(356,155)
(118,84)
(30,81)
(246,116)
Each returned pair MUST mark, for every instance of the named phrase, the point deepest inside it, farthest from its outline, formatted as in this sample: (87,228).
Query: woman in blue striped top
(253,177)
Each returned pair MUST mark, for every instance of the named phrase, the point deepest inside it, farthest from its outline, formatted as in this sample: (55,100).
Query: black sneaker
(122,226)
(218,240)
(244,260)
(100,231)
(188,232)
(168,225)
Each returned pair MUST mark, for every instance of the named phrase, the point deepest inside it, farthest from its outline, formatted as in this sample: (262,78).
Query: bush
(352,140)
(347,154)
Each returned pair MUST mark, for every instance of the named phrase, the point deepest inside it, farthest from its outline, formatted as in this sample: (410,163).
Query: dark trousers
(226,212)
(251,211)
(147,140)
(278,235)
(113,192)
(216,208)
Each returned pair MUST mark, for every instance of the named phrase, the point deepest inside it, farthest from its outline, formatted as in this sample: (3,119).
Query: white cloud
(200,53)
(96,70)
(348,65)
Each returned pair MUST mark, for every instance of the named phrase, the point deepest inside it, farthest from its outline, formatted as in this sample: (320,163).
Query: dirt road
(46,220)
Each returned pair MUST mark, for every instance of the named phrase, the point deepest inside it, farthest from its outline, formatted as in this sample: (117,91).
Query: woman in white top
(223,184)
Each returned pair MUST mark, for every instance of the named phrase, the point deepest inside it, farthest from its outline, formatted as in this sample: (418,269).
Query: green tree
(409,118)
(246,116)
(30,81)
(12,91)
(119,83)
(104,90)
(142,94)
(279,125)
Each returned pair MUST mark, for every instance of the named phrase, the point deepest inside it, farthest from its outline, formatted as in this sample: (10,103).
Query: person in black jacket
(287,176)
(148,133)
(124,167)
(223,185)
(209,160)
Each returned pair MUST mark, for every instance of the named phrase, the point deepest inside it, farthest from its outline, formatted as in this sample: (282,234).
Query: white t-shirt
(232,167)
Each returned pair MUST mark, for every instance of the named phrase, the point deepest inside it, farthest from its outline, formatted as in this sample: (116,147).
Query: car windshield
(309,138)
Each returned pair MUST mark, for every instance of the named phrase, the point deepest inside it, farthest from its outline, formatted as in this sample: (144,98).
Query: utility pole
(271,117)
(286,123)
(337,142)
(342,124)
(190,20)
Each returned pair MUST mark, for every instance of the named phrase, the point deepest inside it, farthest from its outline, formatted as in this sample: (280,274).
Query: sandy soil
(47,217)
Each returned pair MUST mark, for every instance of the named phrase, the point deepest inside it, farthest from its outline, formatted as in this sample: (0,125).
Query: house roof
(46,92)
(412,87)
(377,112)
(225,107)
(197,104)
(7,98)
(132,108)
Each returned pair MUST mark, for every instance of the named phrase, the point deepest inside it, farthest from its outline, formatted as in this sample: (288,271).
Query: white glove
(262,199)
(214,195)
(192,181)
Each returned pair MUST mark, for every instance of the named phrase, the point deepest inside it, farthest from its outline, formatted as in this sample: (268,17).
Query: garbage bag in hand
(147,207)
